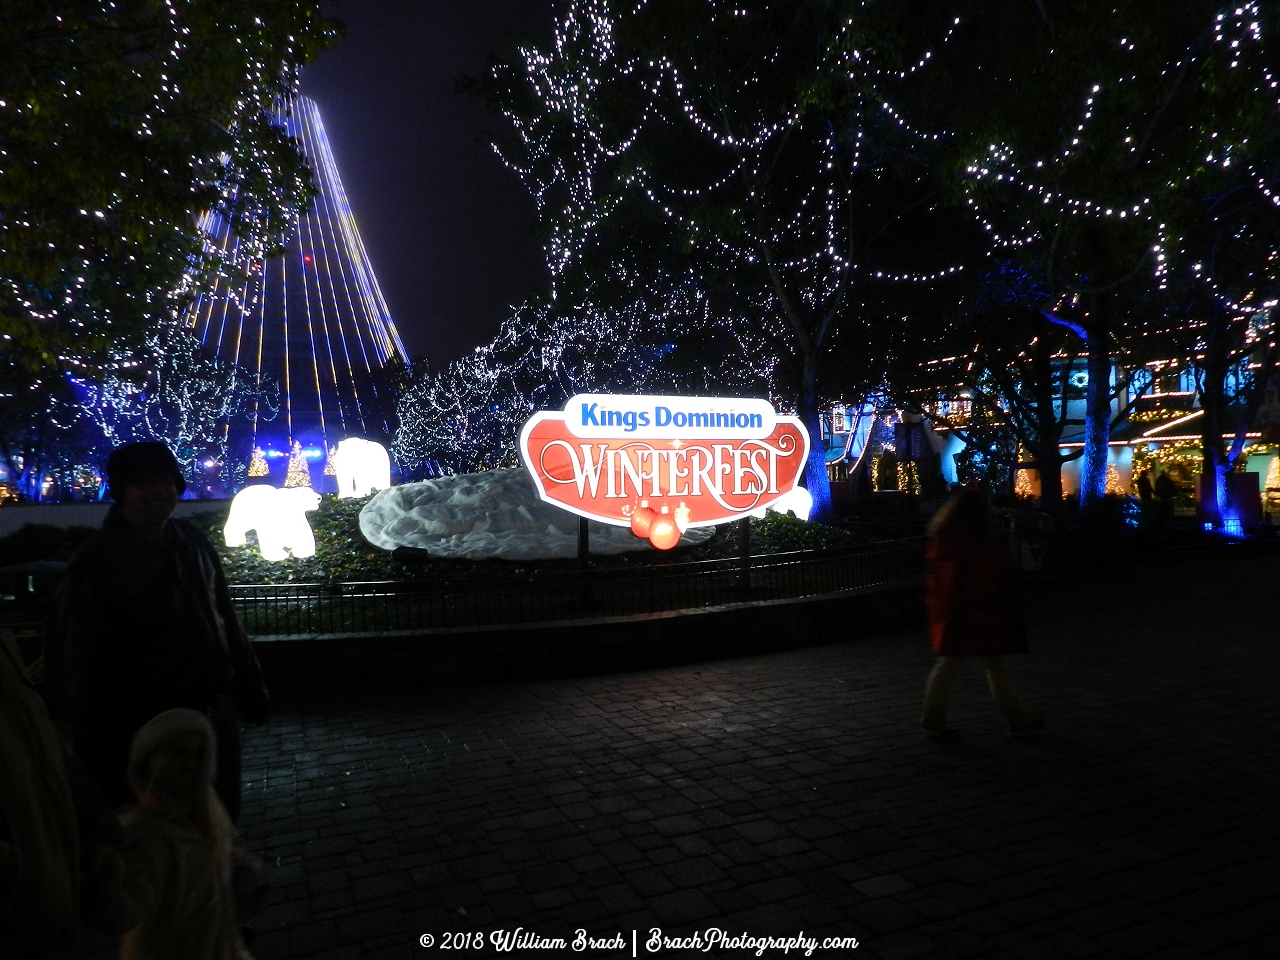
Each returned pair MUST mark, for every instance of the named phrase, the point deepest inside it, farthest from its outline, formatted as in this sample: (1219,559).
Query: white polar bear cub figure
(279,517)
(362,467)
(797,500)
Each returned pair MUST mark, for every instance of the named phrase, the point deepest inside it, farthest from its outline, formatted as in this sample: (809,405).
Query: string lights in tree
(754,148)
(1222,279)
(577,109)
(119,121)
(185,399)
(467,417)
(1104,136)
(1022,485)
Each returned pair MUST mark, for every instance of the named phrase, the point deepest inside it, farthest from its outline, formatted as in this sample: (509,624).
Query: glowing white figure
(278,516)
(797,500)
(362,467)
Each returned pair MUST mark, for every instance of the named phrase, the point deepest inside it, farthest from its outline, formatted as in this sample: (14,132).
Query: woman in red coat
(973,611)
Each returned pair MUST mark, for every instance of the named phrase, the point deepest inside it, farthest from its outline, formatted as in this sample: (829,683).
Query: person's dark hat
(135,460)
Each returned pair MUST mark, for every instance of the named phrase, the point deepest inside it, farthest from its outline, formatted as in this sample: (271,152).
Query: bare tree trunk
(29,481)
(1050,470)
(817,481)
(1097,416)
(808,343)
(1048,426)
(1216,460)
(1213,470)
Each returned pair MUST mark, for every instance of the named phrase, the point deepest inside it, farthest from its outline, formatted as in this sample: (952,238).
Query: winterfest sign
(666,463)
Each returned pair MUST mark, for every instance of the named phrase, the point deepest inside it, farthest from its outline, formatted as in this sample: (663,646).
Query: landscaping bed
(343,555)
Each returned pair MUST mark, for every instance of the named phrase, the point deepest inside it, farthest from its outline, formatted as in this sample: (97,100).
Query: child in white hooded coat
(187,882)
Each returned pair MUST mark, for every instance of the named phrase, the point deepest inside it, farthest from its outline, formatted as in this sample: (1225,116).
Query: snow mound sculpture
(497,513)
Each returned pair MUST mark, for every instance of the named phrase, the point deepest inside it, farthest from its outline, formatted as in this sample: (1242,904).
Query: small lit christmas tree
(1114,487)
(1271,489)
(299,474)
(258,464)
(331,468)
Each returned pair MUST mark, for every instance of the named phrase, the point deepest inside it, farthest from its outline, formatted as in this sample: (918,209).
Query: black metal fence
(310,610)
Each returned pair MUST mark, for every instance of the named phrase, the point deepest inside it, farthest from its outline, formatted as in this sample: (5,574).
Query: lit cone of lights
(331,468)
(662,532)
(1114,487)
(642,518)
(258,464)
(299,474)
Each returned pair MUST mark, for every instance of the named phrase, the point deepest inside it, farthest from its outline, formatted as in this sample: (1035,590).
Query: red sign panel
(701,460)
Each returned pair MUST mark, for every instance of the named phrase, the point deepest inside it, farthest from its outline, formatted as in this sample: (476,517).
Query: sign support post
(584,546)
(744,554)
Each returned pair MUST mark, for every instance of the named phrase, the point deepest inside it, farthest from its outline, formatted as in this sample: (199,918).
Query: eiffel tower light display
(312,319)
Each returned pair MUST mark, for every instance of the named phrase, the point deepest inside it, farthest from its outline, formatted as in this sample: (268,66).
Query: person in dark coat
(59,843)
(147,625)
(39,838)
(973,611)
(1165,488)
(1145,490)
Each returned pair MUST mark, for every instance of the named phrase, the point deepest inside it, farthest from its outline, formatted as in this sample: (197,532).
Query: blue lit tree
(1015,367)
(1221,274)
(1081,137)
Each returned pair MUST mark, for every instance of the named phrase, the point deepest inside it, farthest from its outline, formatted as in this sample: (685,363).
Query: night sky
(446,225)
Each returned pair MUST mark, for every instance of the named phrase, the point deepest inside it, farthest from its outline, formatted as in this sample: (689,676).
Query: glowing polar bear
(278,516)
(797,500)
(362,467)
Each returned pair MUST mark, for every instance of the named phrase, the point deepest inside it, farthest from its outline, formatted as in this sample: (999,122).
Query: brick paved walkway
(792,792)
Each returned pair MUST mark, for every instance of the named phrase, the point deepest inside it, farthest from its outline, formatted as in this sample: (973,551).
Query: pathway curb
(591,644)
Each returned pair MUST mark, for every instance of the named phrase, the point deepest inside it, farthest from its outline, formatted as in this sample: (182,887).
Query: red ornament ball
(663,532)
(642,519)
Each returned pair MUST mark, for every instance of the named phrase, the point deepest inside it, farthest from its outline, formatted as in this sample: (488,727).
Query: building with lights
(313,320)
(1157,424)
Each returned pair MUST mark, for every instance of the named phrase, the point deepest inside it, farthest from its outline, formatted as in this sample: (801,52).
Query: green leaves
(120,123)
(342,553)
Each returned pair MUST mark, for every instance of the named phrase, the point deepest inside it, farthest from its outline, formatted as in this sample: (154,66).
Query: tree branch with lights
(121,123)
